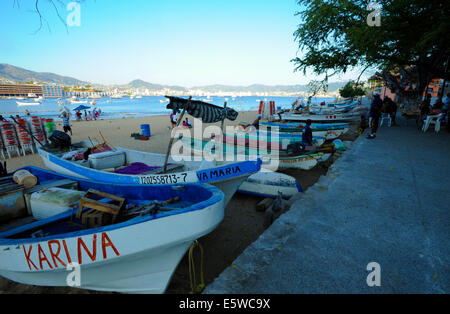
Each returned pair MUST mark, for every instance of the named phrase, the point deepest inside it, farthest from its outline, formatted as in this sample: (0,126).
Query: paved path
(386,200)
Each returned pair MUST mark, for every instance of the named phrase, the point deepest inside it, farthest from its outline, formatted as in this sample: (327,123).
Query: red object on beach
(37,130)
(22,130)
(9,134)
(261,106)
(272,107)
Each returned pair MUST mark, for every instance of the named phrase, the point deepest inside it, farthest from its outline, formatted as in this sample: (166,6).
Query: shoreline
(241,226)
(118,133)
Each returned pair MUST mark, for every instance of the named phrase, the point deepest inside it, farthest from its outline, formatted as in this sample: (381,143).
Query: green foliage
(315,87)
(411,44)
(352,89)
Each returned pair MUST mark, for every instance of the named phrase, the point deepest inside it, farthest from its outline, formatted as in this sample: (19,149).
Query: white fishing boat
(267,183)
(21,104)
(126,166)
(78,102)
(136,250)
(320,118)
(273,161)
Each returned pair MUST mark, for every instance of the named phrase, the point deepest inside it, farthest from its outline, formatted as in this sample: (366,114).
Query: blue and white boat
(269,184)
(110,167)
(314,126)
(136,253)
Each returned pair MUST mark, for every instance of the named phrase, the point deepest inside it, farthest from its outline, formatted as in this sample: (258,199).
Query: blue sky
(188,43)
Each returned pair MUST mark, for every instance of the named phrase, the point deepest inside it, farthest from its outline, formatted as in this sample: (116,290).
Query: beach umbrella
(208,113)
(81,108)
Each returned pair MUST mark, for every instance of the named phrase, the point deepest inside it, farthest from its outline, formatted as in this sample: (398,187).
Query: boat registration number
(165,178)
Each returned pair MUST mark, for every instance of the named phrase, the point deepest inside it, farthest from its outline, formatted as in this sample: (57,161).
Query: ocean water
(112,108)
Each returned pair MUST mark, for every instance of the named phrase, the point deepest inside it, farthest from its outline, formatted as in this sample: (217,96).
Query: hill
(13,74)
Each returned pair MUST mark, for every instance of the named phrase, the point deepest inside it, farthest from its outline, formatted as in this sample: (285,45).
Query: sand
(118,132)
(241,226)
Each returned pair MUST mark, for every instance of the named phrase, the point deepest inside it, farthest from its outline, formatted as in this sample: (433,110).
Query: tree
(407,50)
(56,6)
(352,89)
(315,87)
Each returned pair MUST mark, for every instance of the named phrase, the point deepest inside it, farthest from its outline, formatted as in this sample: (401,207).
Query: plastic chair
(387,117)
(436,120)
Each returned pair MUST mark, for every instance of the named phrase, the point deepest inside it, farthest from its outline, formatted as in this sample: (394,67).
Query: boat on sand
(125,166)
(135,251)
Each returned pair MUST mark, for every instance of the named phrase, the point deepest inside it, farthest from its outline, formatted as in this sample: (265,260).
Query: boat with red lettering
(135,249)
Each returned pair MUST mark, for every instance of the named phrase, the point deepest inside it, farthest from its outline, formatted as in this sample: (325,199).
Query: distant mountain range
(13,74)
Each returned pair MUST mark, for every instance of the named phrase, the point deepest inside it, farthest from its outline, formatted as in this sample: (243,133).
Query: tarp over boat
(208,113)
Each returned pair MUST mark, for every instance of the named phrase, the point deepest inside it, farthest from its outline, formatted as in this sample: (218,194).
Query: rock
(264,204)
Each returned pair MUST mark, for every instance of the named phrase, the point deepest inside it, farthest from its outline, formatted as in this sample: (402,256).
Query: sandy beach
(118,132)
(241,226)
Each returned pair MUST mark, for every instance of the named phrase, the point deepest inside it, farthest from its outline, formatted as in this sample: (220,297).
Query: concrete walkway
(385,200)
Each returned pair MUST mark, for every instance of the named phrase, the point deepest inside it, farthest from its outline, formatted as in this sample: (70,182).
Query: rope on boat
(196,288)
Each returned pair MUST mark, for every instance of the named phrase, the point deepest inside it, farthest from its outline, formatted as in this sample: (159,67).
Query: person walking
(173,119)
(390,107)
(375,114)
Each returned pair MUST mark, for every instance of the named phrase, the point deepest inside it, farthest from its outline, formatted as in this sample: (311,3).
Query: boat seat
(99,213)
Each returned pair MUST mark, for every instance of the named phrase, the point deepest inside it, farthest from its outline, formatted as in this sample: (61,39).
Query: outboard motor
(60,140)
(296,148)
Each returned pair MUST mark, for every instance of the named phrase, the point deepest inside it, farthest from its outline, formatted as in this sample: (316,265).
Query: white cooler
(53,201)
(107,160)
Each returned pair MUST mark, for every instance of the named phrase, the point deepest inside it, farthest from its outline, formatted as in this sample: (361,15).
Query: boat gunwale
(216,196)
(252,166)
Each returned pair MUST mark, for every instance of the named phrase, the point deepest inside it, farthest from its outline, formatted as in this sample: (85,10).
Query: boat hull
(273,141)
(326,118)
(270,161)
(270,184)
(135,256)
(227,177)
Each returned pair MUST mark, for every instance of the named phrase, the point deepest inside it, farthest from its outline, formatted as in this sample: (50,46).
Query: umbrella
(198,109)
(81,108)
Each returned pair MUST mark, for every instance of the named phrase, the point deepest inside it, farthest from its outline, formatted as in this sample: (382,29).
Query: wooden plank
(11,187)
(264,204)
(103,207)
(106,195)
(6,178)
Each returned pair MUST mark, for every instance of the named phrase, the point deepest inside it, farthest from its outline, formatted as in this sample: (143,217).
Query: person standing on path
(375,114)
(307,138)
